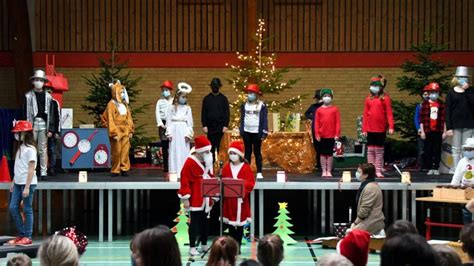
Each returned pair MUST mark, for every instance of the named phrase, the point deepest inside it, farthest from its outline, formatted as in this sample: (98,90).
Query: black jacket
(215,113)
(460,109)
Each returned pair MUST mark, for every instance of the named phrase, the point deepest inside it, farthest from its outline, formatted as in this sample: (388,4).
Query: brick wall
(350,86)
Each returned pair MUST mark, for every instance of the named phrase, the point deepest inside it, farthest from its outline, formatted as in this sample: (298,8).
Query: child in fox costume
(236,211)
(118,119)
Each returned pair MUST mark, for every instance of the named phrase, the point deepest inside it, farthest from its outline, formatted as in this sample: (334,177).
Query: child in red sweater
(377,117)
(327,129)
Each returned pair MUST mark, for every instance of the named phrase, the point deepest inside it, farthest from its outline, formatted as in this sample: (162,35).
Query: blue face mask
(252,97)
(374,89)
(434,96)
(182,101)
(166,93)
(358,175)
(463,81)
(468,154)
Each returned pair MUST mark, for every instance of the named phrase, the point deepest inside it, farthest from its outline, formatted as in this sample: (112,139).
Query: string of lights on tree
(260,69)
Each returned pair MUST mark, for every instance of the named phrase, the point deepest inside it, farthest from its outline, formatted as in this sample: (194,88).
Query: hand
(224,129)
(391,131)
(49,134)
(336,138)
(419,132)
(318,138)
(170,138)
(205,130)
(57,136)
(26,192)
(130,135)
(186,204)
(423,135)
(364,134)
(116,137)
(11,187)
(449,133)
(444,136)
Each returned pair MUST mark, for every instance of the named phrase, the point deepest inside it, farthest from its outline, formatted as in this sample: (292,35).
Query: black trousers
(165,143)
(317,150)
(253,142)
(199,226)
(376,139)
(326,146)
(237,233)
(215,139)
(432,150)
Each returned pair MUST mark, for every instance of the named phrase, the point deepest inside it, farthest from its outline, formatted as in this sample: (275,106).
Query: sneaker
(193,252)
(435,172)
(204,248)
(24,241)
(259,176)
(124,173)
(430,172)
(13,241)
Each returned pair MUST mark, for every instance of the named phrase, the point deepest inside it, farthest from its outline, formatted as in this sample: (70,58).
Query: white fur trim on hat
(203,149)
(236,151)
(469,143)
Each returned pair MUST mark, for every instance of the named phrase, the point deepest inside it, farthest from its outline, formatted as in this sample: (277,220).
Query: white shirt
(464,174)
(23,157)
(252,116)
(235,169)
(162,109)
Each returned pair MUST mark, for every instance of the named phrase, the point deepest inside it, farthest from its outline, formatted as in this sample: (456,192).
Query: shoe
(114,175)
(430,172)
(24,241)
(124,173)
(204,248)
(435,172)
(259,176)
(193,252)
(13,241)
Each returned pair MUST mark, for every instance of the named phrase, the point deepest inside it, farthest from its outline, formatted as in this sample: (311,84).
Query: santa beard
(208,164)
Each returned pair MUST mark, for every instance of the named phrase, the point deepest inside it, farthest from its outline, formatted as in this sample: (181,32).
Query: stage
(118,196)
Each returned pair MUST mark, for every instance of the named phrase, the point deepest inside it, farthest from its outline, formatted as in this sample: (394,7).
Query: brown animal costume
(118,119)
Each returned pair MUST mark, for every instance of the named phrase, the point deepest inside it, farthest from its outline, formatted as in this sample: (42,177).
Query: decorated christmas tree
(181,228)
(113,69)
(283,226)
(260,69)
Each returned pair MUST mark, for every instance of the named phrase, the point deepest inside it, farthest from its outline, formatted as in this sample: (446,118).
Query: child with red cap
(237,210)
(355,247)
(162,109)
(197,167)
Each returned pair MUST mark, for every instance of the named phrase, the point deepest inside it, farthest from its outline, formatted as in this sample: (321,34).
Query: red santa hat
(237,147)
(355,247)
(202,144)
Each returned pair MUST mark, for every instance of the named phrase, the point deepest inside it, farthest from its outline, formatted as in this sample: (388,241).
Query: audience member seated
(447,256)
(400,227)
(249,263)
(223,252)
(58,250)
(156,246)
(19,260)
(407,249)
(334,259)
(355,247)
(270,250)
(467,239)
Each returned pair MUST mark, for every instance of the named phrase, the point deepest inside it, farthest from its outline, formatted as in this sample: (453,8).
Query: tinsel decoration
(79,239)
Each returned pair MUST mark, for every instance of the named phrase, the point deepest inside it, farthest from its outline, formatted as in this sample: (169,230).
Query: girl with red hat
(254,125)
(24,182)
(432,128)
(161,112)
(378,116)
(237,210)
(197,167)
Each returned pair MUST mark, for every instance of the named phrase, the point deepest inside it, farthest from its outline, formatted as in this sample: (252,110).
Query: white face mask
(234,157)
(327,99)
(38,84)
(17,136)
(374,89)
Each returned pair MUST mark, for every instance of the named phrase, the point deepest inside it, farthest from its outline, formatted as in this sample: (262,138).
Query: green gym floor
(118,253)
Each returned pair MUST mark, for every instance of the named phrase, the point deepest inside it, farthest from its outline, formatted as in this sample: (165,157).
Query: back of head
(407,249)
(249,262)
(447,256)
(467,239)
(400,227)
(58,250)
(224,251)
(156,246)
(270,250)
(355,247)
(19,260)
(334,259)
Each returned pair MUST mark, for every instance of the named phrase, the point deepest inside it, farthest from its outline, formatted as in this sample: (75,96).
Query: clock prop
(84,146)
(70,139)
(101,155)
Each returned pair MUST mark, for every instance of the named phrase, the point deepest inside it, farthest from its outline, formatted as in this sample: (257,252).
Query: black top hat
(215,82)
(317,94)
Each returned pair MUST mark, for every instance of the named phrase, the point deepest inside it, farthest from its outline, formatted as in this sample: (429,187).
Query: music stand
(223,188)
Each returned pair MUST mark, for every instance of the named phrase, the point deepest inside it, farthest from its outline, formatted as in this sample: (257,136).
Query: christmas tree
(283,226)
(419,72)
(260,69)
(181,228)
(113,69)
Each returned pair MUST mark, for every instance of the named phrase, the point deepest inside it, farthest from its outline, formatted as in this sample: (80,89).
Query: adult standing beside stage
(215,115)
(310,114)
(163,106)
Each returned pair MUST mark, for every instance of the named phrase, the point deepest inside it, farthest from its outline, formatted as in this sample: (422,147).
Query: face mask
(234,157)
(358,175)
(182,101)
(327,100)
(17,136)
(468,154)
(463,81)
(374,89)
(38,84)
(166,93)
(215,90)
(252,97)
(434,96)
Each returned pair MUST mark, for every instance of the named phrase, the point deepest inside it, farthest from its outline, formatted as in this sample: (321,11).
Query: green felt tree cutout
(182,227)
(283,226)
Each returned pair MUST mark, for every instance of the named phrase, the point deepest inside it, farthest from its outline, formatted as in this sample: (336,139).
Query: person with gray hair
(447,256)
(334,259)
(58,250)
(19,260)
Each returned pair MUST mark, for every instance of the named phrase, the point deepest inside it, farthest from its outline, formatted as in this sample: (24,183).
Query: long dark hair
(157,246)
(28,140)
(224,249)
(270,250)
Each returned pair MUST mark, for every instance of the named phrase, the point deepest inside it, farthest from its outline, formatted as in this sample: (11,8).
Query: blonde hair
(455,82)
(19,260)
(58,250)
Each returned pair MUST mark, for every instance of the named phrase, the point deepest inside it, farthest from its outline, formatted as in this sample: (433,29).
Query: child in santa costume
(378,116)
(432,128)
(197,167)
(327,129)
(237,210)
(161,112)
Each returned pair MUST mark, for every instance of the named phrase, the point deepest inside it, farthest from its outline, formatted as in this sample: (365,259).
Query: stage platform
(402,196)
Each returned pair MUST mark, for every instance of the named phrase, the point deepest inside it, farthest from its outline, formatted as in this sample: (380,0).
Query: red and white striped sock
(371,155)
(330,161)
(323,165)
(379,151)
